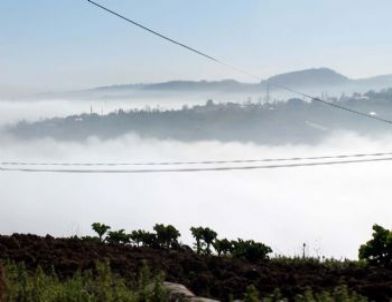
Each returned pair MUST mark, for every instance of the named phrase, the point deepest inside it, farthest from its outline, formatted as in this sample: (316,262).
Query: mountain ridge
(322,77)
(313,80)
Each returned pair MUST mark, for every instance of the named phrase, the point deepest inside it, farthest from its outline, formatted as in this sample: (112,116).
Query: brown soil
(208,276)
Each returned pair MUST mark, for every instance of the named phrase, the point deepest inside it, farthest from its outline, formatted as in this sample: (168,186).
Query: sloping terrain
(294,121)
(209,276)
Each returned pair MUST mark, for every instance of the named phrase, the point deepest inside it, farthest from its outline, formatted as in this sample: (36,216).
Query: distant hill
(199,85)
(304,78)
(310,78)
(180,86)
(293,122)
(314,78)
(315,81)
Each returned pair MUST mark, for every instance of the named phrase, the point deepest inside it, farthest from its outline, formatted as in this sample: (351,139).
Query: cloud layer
(332,208)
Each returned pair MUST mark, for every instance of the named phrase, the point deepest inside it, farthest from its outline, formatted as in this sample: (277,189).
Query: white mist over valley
(319,206)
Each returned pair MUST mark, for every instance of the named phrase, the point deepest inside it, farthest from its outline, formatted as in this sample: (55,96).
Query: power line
(173,41)
(183,170)
(154,32)
(334,105)
(214,59)
(205,162)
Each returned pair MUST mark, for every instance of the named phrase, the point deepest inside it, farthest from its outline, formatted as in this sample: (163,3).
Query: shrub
(103,286)
(250,250)
(339,294)
(251,294)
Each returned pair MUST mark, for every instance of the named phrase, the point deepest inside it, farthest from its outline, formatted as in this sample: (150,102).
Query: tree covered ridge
(294,121)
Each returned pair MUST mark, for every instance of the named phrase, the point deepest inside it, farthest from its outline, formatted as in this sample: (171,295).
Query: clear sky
(69,44)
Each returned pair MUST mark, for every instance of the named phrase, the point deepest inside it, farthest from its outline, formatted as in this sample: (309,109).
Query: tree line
(377,251)
(167,236)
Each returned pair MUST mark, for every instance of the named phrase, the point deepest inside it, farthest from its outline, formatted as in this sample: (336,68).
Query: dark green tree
(223,246)
(118,237)
(100,229)
(137,237)
(197,233)
(150,240)
(204,237)
(378,250)
(167,235)
(250,250)
(142,237)
(209,237)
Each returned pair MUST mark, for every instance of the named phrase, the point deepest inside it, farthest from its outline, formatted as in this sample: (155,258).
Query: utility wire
(240,70)
(154,32)
(183,170)
(348,158)
(334,105)
(205,162)
(162,36)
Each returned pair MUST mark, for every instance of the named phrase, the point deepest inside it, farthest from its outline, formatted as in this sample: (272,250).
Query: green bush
(250,250)
(102,286)
(339,294)
(251,294)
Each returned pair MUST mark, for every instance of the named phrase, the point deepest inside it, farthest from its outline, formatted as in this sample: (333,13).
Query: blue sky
(69,44)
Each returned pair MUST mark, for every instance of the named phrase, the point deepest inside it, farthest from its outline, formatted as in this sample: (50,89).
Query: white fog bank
(331,208)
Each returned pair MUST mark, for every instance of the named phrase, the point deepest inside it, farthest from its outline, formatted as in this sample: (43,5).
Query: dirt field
(209,276)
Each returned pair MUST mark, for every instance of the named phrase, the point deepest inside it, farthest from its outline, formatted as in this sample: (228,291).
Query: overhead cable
(240,70)
(198,169)
(204,162)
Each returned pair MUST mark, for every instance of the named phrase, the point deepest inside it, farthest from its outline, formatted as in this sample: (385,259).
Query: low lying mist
(330,208)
